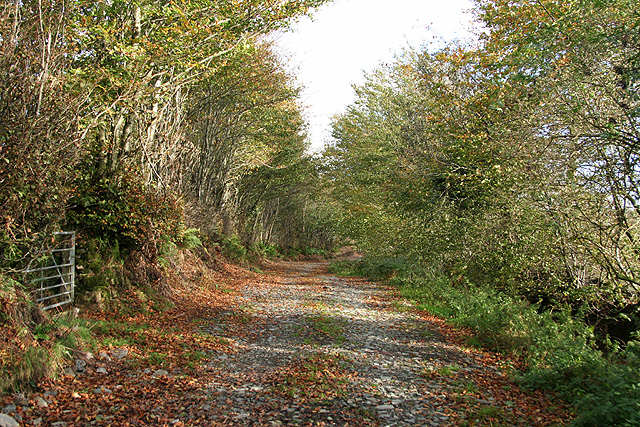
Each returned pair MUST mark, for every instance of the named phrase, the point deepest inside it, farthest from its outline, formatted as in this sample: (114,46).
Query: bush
(234,249)
(308,251)
(612,393)
(559,351)
(123,208)
(346,268)
(266,250)
(382,268)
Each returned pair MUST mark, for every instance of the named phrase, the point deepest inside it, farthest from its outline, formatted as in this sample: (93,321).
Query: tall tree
(136,61)
(38,125)
(514,162)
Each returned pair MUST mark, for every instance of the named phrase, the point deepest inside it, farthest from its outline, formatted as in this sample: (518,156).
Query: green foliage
(189,238)
(309,251)
(234,249)
(38,134)
(611,394)
(266,250)
(100,266)
(101,112)
(507,164)
(122,209)
(394,269)
(559,351)
(346,268)
(284,202)
(185,239)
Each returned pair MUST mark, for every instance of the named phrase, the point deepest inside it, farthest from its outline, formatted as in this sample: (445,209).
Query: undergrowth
(32,344)
(558,351)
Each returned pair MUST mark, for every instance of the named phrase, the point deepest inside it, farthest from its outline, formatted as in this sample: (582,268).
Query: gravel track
(390,354)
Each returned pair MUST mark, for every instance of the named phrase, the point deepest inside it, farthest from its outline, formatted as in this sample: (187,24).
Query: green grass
(328,328)
(156,359)
(120,334)
(41,350)
(560,352)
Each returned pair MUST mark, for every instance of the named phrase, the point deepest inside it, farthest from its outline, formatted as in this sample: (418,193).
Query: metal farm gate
(51,277)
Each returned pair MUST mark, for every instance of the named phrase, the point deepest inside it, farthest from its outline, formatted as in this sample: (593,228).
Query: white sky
(347,37)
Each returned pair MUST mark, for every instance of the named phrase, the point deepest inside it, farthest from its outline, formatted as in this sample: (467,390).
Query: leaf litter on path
(292,346)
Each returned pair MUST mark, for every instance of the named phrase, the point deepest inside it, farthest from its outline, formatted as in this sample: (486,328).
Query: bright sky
(347,37)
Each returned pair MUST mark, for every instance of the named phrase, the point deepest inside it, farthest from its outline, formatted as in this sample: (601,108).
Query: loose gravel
(402,372)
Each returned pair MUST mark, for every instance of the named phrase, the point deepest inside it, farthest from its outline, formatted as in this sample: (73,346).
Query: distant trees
(514,163)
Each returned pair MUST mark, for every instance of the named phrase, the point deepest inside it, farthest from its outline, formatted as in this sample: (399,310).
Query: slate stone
(160,373)
(41,402)
(21,401)
(8,421)
(81,366)
(120,353)
(9,409)
(104,356)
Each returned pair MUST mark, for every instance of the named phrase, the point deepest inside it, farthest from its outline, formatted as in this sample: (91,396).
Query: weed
(329,329)
(366,413)
(156,359)
(487,412)
(440,371)
(195,356)
(224,290)
(214,339)
(310,341)
(316,305)
(466,387)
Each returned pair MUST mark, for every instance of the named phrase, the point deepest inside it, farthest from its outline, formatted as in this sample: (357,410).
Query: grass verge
(558,352)
(34,345)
